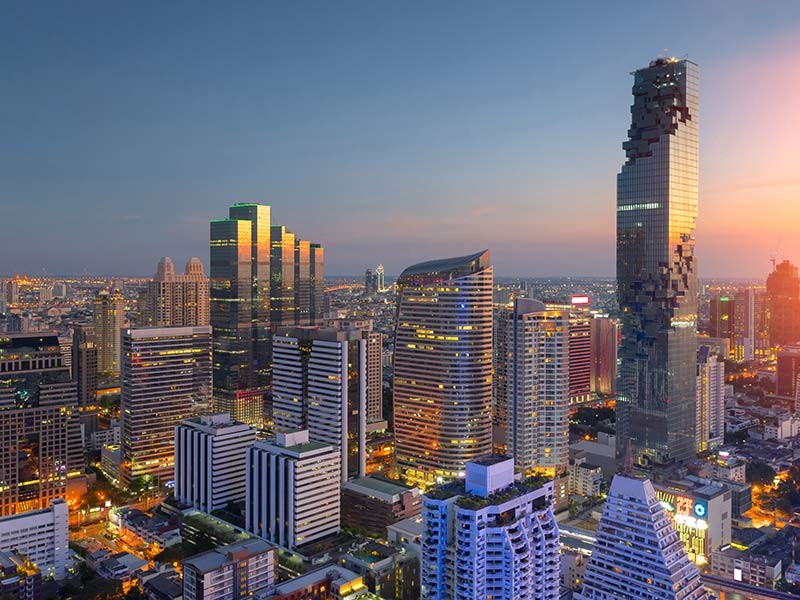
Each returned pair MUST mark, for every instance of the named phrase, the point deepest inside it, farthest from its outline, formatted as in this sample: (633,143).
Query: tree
(760,473)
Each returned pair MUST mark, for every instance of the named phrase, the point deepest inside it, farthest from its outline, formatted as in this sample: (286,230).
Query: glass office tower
(657,191)
(443,367)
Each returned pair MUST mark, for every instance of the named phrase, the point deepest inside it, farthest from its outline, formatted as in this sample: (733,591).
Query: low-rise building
(372,504)
(330,582)
(41,536)
(110,457)
(748,566)
(123,566)
(20,579)
(230,572)
(406,534)
(387,571)
(585,478)
(159,531)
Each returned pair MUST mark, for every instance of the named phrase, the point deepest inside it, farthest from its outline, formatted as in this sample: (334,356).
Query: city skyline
(109,177)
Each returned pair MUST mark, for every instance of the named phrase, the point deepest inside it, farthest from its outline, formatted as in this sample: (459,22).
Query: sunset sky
(389,132)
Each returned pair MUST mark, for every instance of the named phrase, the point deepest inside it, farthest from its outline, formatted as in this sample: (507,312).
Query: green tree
(760,473)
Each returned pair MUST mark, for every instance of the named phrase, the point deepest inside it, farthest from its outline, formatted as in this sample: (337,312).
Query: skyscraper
(109,319)
(443,367)
(240,311)
(656,269)
(165,371)
(490,536)
(41,438)
(721,312)
(604,356)
(84,363)
(282,290)
(638,554)
(710,399)
(783,294)
(317,271)
(381,275)
(370,282)
(321,382)
(177,300)
(531,370)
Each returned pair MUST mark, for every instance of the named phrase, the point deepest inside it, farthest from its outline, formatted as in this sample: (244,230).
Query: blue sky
(389,132)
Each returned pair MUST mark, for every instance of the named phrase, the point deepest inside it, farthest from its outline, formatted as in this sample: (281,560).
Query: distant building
(210,461)
(40,535)
(637,553)
(531,385)
(381,275)
(750,325)
(84,363)
(109,319)
(604,336)
(585,478)
(783,300)
(710,389)
(292,490)
(370,283)
(443,367)
(177,300)
(372,504)
(165,371)
(788,370)
(231,572)
(721,310)
(489,536)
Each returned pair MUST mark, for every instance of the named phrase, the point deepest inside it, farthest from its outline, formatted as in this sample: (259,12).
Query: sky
(389,132)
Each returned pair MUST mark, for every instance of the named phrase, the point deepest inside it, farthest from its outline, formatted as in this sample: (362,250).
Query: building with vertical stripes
(165,372)
(292,490)
(210,459)
(109,319)
(443,367)
(230,572)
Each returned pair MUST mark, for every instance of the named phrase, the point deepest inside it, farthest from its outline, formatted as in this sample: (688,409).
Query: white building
(532,385)
(210,461)
(489,536)
(42,536)
(325,380)
(230,572)
(585,478)
(293,490)
(638,554)
(710,391)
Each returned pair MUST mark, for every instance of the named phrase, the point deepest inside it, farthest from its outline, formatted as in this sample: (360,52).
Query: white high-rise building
(231,572)
(293,494)
(381,275)
(42,536)
(531,387)
(210,461)
(165,372)
(490,536)
(710,414)
(323,379)
(638,555)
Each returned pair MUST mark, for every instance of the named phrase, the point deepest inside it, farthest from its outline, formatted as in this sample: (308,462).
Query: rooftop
(473,502)
(450,268)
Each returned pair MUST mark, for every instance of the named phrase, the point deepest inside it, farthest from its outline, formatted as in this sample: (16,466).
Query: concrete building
(585,478)
(787,371)
(230,572)
(443,367)
(322,381)
(210,461)
(489,536)
(41,450)
(761,567)
(330,582)
(372,504)
(42,536)
(637,553)
(387,571)
(604,336)
(177,300)
(165,371)
(84,363)
(292,490)
(531,387)
(710,390)
(700,511)
(20,579)
(109,319)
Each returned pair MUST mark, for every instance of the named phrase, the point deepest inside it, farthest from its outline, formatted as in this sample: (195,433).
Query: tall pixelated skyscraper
(657,191)
(443,367)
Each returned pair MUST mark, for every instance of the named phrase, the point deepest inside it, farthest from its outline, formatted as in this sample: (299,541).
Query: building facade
(84,363)
(531,387)
(230,572)
(177,299)
(710,413)
(443,367)
(657,288)
(637,553)
(292,490)
(42,536)
(604,335)
(489,536)
(41,447)
(210,461)
(783,299)
(109,319)
(166,371)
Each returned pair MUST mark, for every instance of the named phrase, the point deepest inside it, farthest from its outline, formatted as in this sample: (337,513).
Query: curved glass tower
(443,367)
(656,268)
